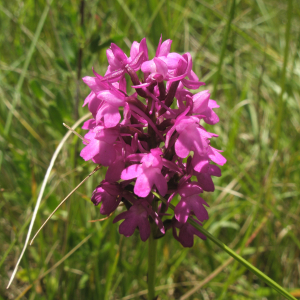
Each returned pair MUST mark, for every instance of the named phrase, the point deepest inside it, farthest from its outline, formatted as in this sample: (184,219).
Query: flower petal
(131,172)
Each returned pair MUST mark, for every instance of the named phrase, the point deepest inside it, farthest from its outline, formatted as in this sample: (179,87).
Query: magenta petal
(122,84)
(131,172)
(191,139)
(121,216)
(200,163)
(137,61)
(142,85)
(189,189)
(169,135)
(148,67)
(214,170)
(196,232)
(161,184)
(205,182)
(118,53)
(213,104)
(144,48)
(161,67)
(137,216)
(114,76)
(89,98)
(145,229)
(186,237)
(108,135)
(114,62)
(94,105)
(89,124)
(106,156)
(215,156)
(112,97)
(187,56)
(95,84)
(165,48)
(191,84)
(172,166)
(114,171)
(182,211)
(172,60)
(134,50)
(143,185)
(200,102)
(186,233)
(89,151)
(211,117)
(158,46)
(109,204)
(190,204)
(127,228)
(183,145)
(109,114)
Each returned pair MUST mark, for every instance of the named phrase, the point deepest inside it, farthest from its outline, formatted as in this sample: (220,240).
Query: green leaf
(36,88)
(94,45)
(83,280)
(61,64)
(56,119)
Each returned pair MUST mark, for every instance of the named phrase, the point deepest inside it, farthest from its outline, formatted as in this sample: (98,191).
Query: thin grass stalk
(25,67)
(283,74)
(63,201)
(41,193)
(233,254)
(54,266)
(223,49)
(281,103)
(232,275)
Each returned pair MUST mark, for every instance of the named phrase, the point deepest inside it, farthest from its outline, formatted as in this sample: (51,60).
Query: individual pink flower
(192,136)
(100,146)
(202,105)
(137,217)
(147,174)
(191,204)
(107,194)
(186,233)
(119,62)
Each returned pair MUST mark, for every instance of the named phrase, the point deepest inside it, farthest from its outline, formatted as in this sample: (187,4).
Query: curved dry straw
(62,202)
(39,199)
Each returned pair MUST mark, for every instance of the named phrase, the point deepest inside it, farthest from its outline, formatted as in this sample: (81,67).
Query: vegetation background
(244,52)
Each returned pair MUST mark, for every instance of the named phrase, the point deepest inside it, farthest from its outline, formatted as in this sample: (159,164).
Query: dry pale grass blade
(63,201)
(160,288)
(24,122)
(54,266)
(76,133)
(103,219)
(47,175)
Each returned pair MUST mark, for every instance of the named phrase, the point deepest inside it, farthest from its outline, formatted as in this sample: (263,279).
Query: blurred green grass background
(240,51)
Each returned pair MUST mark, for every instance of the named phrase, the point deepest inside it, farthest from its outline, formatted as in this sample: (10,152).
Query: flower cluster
(149,141)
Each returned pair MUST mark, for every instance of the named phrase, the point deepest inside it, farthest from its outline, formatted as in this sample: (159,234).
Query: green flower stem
(237,257)
(152,264)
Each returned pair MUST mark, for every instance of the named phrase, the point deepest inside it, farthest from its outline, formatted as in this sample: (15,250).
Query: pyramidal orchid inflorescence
(153,139)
